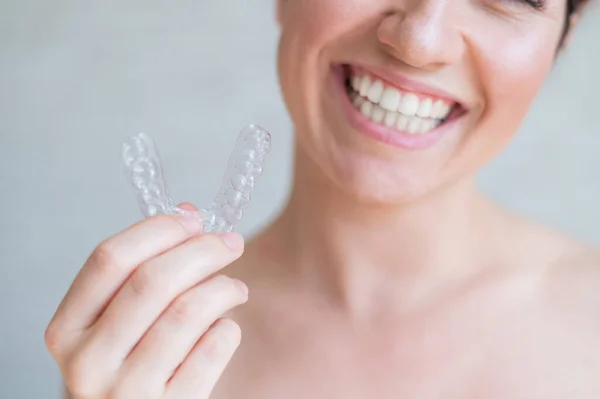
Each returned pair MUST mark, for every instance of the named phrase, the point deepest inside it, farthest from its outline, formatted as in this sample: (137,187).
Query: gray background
(77,77)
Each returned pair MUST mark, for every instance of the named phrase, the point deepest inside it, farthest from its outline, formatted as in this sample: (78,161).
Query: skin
(387,274)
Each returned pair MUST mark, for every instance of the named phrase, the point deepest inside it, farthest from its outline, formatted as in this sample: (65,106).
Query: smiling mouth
(397,109)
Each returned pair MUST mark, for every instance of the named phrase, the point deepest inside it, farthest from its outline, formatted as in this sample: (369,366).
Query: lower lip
(382,133)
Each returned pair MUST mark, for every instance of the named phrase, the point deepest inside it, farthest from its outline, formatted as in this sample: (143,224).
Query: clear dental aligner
(144,172)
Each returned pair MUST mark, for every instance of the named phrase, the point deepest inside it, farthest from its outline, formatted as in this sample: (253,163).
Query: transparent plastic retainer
(144,172)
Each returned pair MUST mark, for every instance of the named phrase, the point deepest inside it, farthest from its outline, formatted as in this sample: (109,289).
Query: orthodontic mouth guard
(144,172)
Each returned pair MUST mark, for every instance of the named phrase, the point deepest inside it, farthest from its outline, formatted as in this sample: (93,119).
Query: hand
(142,317)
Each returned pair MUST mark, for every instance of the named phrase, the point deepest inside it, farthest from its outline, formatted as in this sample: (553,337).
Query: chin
(360,173)
(379,181)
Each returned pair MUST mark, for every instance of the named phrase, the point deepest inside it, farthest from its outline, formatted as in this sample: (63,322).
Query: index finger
(113,261)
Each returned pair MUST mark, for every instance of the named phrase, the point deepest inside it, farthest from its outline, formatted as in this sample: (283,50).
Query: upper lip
(406,84)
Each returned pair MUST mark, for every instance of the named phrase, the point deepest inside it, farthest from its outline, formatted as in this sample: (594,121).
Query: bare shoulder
(571,308)
(567,270)
(569,283)
(561,307)
(571,268)
(573,281)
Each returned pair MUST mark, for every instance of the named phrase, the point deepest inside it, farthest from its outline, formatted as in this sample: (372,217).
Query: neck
(360,253)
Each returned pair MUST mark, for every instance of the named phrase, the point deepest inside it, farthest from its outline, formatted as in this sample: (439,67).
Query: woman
(387,275)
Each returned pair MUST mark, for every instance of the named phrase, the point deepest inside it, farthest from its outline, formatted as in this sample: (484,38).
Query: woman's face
(393,99)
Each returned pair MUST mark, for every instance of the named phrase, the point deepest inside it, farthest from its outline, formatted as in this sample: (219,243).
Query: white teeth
(377,114)
(366,108)
(425,107)
(402,122)
(440,109)
(409,104)
(426,126)
(358,101)
(414,125)
(390,99)
(356,83)
(404,112)
(390,119)
(365,85)
(375,92)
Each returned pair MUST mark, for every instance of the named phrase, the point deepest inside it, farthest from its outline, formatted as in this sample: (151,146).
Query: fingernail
(191,223)
(241,286)
(233,240)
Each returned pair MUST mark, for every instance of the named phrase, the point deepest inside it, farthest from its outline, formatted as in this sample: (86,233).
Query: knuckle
(144,281)
(183,310)
(52,337)
(103,258)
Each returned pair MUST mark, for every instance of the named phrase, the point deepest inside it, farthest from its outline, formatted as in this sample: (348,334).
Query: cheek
(520,70)
(308,27)
(321,20)
(513,71)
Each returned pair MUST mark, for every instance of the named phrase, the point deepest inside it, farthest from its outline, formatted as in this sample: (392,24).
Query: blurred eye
(537,5)
(512,7)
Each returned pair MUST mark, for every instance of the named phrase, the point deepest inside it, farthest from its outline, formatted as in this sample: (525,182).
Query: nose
(424,35)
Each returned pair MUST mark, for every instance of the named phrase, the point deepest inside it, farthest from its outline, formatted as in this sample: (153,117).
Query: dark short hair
(573,7)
